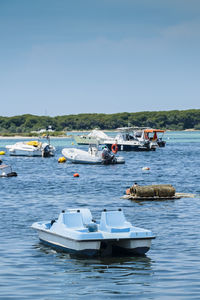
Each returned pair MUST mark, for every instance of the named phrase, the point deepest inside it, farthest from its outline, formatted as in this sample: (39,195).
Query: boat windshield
(93,149)
(45,137)
(5,169)
(131,133)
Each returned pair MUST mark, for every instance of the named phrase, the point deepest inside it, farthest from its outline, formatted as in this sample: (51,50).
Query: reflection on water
(101,261)
(121,271)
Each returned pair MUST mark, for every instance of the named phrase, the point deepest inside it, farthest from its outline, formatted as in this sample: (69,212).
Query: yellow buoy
(2,152)
(62,159)
(72,143)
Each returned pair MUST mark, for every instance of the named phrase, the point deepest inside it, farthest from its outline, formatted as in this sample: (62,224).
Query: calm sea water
(170,270)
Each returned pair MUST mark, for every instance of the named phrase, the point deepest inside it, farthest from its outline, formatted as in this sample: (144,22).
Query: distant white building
(49,129)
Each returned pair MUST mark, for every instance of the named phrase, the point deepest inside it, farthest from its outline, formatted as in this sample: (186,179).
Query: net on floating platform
(162,190)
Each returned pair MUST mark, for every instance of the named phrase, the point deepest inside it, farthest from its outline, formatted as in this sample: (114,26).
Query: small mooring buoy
(62,159)
(145,169)
(2,152)
(76,175)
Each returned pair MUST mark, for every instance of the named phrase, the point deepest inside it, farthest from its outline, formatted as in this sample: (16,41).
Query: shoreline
(78,131)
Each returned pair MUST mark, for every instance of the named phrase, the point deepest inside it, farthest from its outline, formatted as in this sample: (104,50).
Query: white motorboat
(31,148)
(93,137)
(75,231)
(128,139)
(92,156)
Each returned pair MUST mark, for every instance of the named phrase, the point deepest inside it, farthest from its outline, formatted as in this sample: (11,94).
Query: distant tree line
(174,120)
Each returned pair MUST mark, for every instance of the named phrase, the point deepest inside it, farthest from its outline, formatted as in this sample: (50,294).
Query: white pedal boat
(92,156)
(76,232)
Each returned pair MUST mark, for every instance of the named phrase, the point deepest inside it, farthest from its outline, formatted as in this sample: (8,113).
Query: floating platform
(175,197)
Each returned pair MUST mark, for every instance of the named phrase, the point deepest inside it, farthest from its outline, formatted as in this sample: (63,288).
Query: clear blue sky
(105,56)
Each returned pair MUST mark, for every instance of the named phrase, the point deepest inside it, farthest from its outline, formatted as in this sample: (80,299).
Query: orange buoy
(114,148)
(76,175)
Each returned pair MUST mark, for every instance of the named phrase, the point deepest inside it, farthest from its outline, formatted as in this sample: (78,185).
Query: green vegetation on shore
(33,134)
(172,120)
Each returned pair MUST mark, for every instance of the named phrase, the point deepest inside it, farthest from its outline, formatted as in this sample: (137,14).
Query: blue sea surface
(43,187)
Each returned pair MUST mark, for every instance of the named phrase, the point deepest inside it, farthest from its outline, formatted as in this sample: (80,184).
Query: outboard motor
(12,174)
(108,157)
(160,142)
(46,151)
(147,145)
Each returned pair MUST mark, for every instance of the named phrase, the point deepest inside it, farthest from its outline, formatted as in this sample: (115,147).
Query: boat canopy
(150,130)
(154,131)
(130,129)
(97,134)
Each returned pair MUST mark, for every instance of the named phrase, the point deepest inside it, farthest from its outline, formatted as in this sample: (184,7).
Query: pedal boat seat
(73,220)
(114,221)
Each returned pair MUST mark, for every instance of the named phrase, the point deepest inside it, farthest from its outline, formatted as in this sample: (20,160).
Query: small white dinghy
(92,156)
(75,231)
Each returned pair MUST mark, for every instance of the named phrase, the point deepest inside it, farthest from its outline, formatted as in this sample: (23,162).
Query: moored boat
(92,156)
(75,231)
(32,148)
(95,136)
(127,140)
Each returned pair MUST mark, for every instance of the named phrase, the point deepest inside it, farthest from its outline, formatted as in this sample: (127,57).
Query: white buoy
(145,169)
